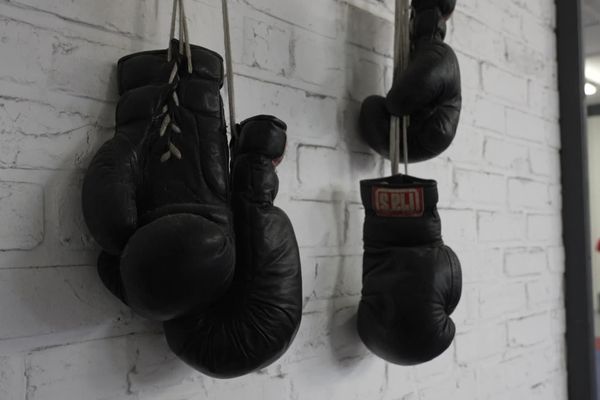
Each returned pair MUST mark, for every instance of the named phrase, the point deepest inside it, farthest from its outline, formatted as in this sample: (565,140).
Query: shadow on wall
(345,344)
(368,66)
(366,74)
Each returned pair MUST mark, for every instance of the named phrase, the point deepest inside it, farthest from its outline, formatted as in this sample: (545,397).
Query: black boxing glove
(429,91)
(411,280)
(156,196)
(257,319)
(446,7)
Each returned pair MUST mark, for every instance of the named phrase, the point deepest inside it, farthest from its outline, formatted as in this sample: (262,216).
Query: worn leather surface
(411,280)
(185,241)
(256,321)
(428,91)
(445,6)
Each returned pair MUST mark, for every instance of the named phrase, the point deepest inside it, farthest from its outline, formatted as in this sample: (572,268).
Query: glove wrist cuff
(399,196)
(401,211)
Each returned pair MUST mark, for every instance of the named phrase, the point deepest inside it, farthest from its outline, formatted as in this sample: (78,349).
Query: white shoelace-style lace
(168,121)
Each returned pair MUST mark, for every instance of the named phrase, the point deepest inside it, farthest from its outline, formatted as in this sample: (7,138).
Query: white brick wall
(63,336)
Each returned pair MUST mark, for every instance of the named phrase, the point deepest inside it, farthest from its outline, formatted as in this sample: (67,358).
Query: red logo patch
(398,202)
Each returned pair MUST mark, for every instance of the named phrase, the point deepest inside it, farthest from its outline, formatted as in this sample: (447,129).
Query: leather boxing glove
(446,7)
(156,196)
(257,319)
(428,90)
(411,280)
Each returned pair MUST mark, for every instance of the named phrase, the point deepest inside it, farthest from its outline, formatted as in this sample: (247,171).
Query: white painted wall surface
(310,62)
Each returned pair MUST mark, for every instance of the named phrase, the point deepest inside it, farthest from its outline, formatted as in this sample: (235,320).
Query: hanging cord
(399,125)
(184,49)
(186,36)
(229,64)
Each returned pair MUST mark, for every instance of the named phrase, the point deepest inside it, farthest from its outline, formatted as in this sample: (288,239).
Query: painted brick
(476,39)
(22,215)
(309,117)
(266,46)
(528,194)
(338,276)
(355,216)
(545,290)
(489,114)
(459,225)
(525,126)
(68,302)
(467,146)
(503,84)
(497,300)
(495,227)
(319,18)
(544,228)
(12,377)
(343,172)
(365,75)
(525,262)
(527,331)
(528,61)
(543,100)
(544,162)
(314,223)
(483,341)
(507,155)
(93,367)
(556,259)
(317,60)
(370,32)
(481,264)
(469,186)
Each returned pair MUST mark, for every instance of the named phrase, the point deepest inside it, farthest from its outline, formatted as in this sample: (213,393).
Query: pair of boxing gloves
(188,231)
(190,235)
(411,280)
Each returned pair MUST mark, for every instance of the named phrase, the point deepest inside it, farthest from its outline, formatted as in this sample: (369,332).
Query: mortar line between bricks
(76,342)
(248,76)
(250,6)
(102,28)
(541,22)
(5,168)
(43,267)
(296,83)
(387,56)
(82,96)
(30,99)
(382,12)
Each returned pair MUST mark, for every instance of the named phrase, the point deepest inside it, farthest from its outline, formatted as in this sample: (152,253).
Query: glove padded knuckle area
(255,322)
(188,266)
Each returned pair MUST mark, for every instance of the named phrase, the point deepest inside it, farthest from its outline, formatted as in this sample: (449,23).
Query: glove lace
(168,123)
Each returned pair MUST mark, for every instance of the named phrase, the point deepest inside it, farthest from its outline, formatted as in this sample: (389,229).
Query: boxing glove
(411,280)
(446,7)
(255,322)
(156,196)
(428,91)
